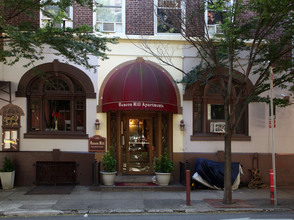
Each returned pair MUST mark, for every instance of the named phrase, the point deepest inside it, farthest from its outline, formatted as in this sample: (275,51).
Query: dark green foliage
(7,165)
(256,34)
(163,164)
(27,40)
(108,161)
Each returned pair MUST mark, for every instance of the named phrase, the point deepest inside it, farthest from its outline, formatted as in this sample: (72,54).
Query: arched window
(56,104)
(56,100)
(209,112)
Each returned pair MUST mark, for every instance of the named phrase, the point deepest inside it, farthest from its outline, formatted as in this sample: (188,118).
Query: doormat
(218,203)
(135,184)
(50,190)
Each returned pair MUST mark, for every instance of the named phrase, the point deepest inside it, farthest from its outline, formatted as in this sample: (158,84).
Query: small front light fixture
(97,124)
(182,125)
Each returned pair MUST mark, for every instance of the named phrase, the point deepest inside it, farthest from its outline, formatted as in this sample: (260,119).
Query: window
(109,16)
(168,16)
(209,111)
(293,50)
(54,11)
(214,18)
(56,105)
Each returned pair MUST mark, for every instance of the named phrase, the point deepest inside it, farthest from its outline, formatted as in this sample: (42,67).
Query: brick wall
(82,15)
(18,16)
(195,18)
(139,17)
(274,36)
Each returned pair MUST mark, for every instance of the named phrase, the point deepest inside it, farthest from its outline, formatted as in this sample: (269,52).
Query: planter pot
(163,178)
(108,178)
(7,179)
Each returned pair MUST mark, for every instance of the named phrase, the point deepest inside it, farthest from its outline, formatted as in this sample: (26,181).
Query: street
(175,216)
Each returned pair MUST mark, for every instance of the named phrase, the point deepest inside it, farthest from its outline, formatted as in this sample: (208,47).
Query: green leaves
(27,40)
(163,164)
(108,161)
(254,34)
(7,165)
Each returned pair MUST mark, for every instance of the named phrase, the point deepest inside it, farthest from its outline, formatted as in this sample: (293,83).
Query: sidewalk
(83,199)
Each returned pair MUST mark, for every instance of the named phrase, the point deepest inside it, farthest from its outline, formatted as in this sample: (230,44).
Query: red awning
(139,86)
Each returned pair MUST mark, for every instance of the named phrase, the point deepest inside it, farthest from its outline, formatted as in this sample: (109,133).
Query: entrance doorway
(138,137)
(139,145)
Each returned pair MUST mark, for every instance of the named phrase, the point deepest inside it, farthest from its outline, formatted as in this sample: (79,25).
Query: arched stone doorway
(140,98)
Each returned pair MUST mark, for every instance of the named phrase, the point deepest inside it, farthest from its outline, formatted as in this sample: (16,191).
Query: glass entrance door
(139,146)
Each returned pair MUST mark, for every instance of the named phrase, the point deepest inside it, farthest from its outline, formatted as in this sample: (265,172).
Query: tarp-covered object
(211,173)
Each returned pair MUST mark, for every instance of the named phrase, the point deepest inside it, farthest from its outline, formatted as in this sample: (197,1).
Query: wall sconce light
(182,125)
(97,124)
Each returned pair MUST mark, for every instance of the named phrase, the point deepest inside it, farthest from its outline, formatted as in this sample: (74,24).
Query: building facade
(141,109)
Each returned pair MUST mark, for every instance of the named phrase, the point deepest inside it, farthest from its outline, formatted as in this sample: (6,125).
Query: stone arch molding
(190,90)
(55,67)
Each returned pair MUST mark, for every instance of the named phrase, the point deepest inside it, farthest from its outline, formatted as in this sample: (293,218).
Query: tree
(21,37)
(262,29)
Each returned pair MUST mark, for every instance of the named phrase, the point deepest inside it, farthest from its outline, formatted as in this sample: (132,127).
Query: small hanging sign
(97,144)
(11,115)
(10,121)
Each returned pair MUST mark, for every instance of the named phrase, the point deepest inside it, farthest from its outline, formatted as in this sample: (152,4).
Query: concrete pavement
(87,199)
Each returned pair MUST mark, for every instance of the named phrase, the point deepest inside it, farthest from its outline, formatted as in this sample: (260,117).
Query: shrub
(163,164)
(7,165)
(108,161)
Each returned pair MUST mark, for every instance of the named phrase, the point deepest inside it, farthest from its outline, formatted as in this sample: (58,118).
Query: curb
(47,212)
(32,213)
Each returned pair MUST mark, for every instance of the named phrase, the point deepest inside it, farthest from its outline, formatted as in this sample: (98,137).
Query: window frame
(66,22)
(201,96)
(42,96)
(156,7)
(123,9)
(214,26)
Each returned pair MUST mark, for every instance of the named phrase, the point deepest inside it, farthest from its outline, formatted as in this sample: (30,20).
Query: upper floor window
(168,14)
(109,16)
(54,11)
(215,14)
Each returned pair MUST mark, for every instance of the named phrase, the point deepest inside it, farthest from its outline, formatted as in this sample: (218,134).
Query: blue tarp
(213,172)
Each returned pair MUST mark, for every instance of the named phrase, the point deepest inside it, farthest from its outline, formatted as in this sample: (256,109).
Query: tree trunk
(228,167)
(228,134)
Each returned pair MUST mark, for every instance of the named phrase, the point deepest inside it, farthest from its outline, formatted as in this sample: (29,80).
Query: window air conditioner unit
(59,25)
(218,30)
(217,127)
(108,27)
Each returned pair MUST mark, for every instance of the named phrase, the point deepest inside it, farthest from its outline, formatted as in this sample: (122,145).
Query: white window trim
(68,23)
(123,19)
(211,25)
(183,11)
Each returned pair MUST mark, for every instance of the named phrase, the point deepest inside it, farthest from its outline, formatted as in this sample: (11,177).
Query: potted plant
(109,167)
(163,167)
(7,174)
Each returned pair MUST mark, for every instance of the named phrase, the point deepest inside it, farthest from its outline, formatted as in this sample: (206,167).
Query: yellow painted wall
(127,51)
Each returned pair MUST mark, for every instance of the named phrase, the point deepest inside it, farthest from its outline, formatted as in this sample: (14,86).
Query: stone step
(137,179)
(170,187)
(134,178)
